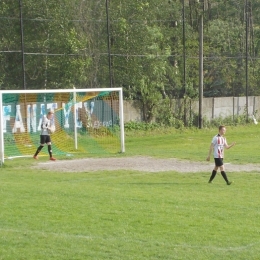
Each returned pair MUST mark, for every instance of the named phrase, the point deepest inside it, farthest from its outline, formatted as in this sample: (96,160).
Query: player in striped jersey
(218,144)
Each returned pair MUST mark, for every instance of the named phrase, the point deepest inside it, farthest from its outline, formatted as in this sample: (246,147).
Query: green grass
(194,144)
(135,215)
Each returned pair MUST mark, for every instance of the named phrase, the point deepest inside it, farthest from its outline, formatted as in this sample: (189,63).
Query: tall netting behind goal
(85,121)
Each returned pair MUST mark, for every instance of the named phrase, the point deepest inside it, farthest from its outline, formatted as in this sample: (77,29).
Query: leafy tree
(52,46)
(66,44)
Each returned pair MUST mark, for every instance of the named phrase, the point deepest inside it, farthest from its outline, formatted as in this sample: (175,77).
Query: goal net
(85,121)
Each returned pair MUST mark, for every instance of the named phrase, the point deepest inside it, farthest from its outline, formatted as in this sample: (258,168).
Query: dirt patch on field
(146,164)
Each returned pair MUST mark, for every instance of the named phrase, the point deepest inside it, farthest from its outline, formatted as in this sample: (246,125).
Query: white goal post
(85,121)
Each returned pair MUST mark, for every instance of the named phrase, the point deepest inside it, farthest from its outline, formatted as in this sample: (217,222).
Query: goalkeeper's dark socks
(212,176)
(224,176)
(38,150)
(50,150)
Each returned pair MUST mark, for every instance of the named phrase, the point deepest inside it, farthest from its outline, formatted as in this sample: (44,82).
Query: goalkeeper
(45,137)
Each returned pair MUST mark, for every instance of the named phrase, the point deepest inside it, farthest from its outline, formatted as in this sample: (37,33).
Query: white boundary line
(69,236)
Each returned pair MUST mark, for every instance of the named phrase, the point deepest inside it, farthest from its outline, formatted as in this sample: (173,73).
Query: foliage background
(65,44)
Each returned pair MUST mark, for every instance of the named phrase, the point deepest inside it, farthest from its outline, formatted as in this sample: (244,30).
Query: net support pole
(75,119)
(121,116)
(1,130)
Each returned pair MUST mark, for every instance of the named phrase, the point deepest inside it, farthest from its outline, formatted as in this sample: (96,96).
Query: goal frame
(74,91)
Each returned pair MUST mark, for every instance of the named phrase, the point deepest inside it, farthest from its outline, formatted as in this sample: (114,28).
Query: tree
(53,46)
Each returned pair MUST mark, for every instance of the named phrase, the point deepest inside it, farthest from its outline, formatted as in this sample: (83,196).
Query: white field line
(43,233)
(237,248)
(69,236)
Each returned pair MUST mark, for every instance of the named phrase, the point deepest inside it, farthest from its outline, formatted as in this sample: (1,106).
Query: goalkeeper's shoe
(52,159)
(229,182)
(35,157)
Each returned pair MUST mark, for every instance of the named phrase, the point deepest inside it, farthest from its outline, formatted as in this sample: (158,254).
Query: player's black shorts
(45,139)
(218,161)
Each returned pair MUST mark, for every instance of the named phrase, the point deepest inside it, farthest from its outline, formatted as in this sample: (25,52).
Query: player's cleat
(52,159)
(35,157)
(210,181)
(229,182)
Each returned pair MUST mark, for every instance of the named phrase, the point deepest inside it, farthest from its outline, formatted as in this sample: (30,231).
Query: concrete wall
(212,107)
(229,106)
(132,112)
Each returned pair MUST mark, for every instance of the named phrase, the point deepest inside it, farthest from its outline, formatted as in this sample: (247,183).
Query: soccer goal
(85,121)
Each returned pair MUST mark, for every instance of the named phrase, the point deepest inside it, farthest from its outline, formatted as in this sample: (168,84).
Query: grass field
(135,215)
